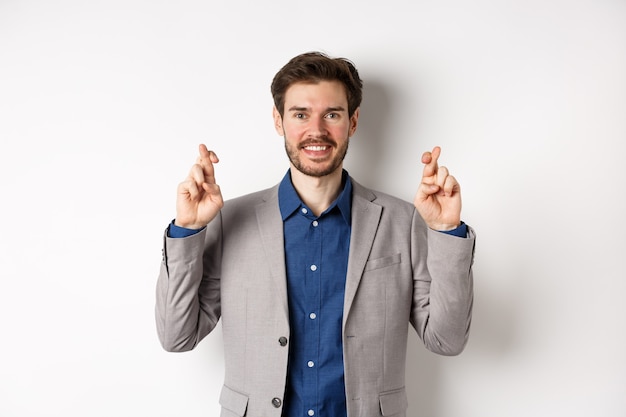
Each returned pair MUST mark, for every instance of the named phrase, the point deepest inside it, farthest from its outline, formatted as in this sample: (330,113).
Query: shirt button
(314,268)
(276,402)
(312,316)
(315,223)
(311,412)
(304,210)
(310,364)
(283,341)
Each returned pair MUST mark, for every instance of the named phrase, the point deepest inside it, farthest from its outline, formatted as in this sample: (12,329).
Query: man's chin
(317,171)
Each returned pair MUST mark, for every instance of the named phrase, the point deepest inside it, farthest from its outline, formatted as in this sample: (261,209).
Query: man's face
(316,126)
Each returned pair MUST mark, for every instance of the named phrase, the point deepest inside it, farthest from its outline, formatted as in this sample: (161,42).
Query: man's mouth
(319,145)
(316,148)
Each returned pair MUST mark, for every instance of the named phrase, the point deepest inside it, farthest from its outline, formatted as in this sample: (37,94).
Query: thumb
(428,189)
(424,193)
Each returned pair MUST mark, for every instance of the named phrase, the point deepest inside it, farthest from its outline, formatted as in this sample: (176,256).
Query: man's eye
(299,115)
(332,115)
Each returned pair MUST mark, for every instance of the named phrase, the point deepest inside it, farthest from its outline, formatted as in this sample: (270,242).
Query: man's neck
(318,193)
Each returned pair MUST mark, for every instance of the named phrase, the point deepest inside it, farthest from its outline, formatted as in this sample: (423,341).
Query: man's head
(316,110)
(313,67)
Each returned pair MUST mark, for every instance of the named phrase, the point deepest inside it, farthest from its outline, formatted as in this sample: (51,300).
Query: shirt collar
(289,201)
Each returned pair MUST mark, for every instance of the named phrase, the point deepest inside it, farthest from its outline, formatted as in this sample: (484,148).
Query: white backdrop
(103,104)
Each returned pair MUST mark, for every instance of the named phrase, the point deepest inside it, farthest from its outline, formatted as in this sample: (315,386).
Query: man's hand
(199,198)
(438,198)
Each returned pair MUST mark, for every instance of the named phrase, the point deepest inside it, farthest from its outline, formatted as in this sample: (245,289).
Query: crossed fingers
(203,170)
(439,176)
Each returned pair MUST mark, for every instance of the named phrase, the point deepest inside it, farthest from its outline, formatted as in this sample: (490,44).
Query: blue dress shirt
(316,254)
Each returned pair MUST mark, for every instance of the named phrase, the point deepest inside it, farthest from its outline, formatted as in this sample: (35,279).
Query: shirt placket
(312,312)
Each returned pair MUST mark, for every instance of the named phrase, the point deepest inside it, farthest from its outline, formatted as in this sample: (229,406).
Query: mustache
(322,140)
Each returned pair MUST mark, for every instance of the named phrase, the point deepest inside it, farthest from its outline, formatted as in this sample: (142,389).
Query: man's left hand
(438,198)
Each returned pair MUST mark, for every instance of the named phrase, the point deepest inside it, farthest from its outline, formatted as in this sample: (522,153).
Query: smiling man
(317,278)
(316,124)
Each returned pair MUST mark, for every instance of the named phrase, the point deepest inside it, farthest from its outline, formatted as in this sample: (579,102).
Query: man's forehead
(316,94)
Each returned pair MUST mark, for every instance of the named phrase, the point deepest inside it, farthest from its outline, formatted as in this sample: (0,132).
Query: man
(317,278)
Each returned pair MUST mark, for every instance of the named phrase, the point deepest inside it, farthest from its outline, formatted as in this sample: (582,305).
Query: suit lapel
(365,220)
(271,228)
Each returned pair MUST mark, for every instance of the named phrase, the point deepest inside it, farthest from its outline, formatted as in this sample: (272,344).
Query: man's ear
(354,121)
(278,122)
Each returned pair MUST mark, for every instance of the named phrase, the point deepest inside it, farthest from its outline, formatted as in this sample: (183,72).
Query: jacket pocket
(234,401)
(382,262)
(393,402)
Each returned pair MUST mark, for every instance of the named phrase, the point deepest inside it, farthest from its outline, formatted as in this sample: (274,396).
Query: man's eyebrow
(328,109)
(296,108)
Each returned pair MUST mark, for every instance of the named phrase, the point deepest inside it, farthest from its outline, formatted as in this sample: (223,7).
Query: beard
(321,169)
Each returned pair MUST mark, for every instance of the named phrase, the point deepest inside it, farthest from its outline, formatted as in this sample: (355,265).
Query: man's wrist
(459,231)
(176,231)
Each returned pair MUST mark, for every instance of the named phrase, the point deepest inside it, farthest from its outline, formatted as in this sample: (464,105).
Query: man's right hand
(199,198)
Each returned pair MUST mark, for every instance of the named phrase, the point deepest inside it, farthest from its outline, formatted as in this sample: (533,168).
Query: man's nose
(317,126)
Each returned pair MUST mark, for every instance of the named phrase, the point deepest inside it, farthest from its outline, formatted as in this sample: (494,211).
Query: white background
(103,104)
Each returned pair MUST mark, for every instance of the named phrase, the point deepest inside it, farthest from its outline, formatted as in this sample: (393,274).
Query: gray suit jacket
(399,272)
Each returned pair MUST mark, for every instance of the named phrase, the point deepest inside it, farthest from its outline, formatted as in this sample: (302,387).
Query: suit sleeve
(188,288)
(443,288)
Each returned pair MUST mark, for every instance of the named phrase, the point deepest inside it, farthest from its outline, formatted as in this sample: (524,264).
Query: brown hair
(313,67)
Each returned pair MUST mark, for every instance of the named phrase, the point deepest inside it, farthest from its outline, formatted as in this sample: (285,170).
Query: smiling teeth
(315,148)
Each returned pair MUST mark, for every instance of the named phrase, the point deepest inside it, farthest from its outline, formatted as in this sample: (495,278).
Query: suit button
(283,341)
(276,402)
